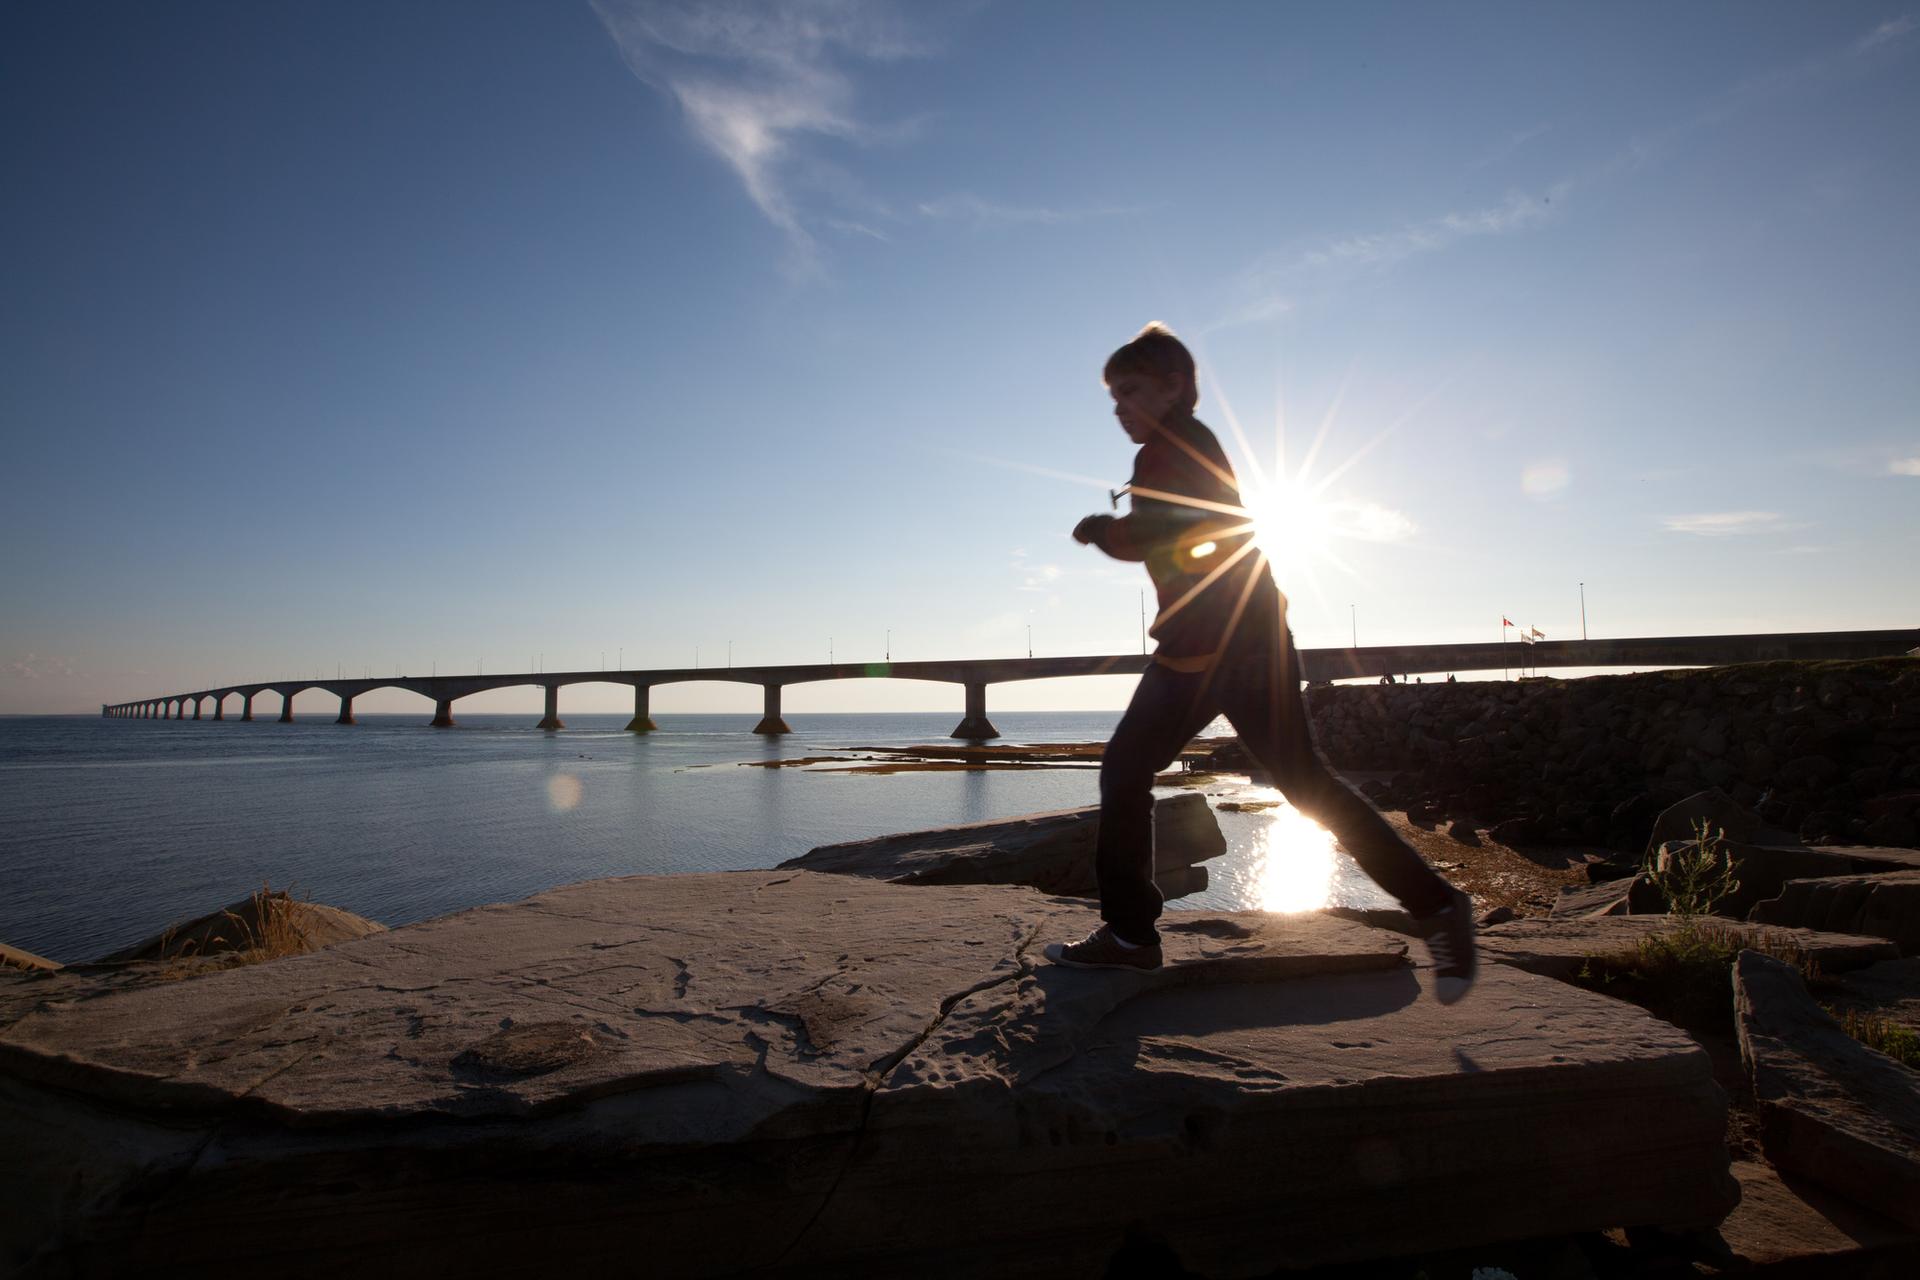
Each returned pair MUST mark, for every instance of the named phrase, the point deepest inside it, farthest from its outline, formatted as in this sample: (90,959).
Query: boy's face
(1144,401)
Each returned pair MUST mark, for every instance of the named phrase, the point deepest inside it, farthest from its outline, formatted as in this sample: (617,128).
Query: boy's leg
(1167,709)
(1260,694)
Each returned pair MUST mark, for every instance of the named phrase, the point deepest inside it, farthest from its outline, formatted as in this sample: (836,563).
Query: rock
(1681,821)
(1886,905)
(1499,915)
(1048,851)
(1608,898)
(1890,990)
(249,923)
(1392,919)
(1831,1109)
(1462,831)
(1891,828)
(1792,1223)
(1759,869)
(1868,858)
(1515,831)
(15,958)
(1557,947)
(786,1073)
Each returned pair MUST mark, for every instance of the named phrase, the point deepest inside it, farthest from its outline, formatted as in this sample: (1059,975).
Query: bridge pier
(770,721)
(346,710)
(178,706)
(443,713)
(246,706)
(975,724)
(552,719)
(286,708)
(196,707)
(642,721)
(220,707)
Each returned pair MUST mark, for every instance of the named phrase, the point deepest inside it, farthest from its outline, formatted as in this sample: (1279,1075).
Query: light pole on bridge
(1583,611)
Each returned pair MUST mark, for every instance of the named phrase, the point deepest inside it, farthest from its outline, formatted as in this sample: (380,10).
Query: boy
(1224,648)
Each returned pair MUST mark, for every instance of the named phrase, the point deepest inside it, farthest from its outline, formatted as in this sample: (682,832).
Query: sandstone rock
(1759,869)
(1793,1224)
(1886,905)
(1048,851)
(1832,1109)
(786,1073)
(1608,898)
(248,923)
(15,958)
(1869,858)
(1557,947)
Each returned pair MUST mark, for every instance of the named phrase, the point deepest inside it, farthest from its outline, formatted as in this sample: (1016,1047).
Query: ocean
(110,830)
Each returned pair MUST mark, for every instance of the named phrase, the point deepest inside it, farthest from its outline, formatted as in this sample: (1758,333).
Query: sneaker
(1102,950)
(1449,935)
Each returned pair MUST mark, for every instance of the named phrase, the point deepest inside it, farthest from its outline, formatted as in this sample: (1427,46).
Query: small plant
(1881,1034)
(1694,876)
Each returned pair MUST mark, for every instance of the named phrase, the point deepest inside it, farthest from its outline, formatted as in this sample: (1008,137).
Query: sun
(1291,525)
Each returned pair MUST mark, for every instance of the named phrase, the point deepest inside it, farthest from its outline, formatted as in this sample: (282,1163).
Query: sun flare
(1290,524)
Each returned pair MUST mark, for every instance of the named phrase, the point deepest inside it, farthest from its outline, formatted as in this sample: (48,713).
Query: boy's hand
(1089,530)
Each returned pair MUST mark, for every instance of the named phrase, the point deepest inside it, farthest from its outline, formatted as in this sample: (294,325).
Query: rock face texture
(1049,851)
(1832,747)
(1556,947)
(1885,906)
(1832,1109)
(791,1073)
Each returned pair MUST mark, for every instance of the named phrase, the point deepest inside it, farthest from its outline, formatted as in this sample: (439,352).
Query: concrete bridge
(974,675)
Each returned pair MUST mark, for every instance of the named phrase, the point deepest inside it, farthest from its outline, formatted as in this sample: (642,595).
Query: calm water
(112,829)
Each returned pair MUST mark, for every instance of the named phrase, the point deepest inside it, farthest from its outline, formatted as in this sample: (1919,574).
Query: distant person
(1450,678)
(1224,647)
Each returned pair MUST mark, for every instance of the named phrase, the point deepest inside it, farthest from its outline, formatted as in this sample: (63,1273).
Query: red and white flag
(1504,622)
(1537,634)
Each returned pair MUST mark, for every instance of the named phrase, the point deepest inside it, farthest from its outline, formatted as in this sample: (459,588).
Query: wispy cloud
(1721,524)
(1545,479)
(1886,33)
(988,213)
(1269,284)
(1384,248)
(36,666)
(1904,466)
(753,81)
(1036,577)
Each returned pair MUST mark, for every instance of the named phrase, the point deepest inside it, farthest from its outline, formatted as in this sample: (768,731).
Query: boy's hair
(1154,350)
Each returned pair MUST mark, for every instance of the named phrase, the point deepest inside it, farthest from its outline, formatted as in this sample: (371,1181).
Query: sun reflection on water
(1297,864)
(563,792)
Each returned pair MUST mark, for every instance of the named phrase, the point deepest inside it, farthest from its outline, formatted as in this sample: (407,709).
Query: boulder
(270,921)
(1557,947)
(1869,858)
(1890,990)
(1048,851)
(1831,1109)
(1680,821)
(1886,905)
(785,1073)
(1759,869)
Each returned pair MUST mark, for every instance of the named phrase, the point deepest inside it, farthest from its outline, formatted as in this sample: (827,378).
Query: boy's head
(1152,381)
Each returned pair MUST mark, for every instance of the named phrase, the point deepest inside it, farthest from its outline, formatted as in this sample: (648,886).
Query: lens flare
(1297,863)
(563,792)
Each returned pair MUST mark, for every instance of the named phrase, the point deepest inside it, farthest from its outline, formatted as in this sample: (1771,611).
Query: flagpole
(1503,646)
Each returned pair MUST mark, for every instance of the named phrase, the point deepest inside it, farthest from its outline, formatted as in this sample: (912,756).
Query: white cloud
(1544,479)
(1904,466)
(987,213)
(1368,522)
(1720,524)
(754,80)
(1886,33)
(1384,248)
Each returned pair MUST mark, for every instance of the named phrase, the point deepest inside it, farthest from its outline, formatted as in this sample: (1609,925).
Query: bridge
(974,675)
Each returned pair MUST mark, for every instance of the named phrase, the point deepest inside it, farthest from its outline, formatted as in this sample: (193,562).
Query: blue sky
(390,336)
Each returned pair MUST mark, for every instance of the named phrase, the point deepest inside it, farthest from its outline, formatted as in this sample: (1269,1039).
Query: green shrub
(1694,876)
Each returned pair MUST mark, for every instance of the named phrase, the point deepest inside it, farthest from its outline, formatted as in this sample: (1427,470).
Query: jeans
(1258,690)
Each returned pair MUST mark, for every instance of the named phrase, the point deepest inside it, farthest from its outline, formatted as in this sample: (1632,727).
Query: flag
(1538,634)
(1504,622)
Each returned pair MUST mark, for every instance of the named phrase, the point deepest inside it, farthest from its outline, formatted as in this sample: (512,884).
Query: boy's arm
(1112,534)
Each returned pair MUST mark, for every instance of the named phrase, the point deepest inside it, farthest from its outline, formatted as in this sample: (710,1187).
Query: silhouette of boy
(1224,648)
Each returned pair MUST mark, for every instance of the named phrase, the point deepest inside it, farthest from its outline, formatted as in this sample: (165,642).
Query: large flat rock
(1831,1109)
(1556,947)
(1048,851)
(1886,905)
(793,1073)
